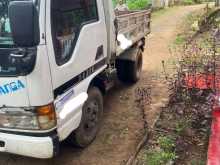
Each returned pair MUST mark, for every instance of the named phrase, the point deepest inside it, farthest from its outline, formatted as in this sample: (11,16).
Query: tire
(130,71)
(92,113)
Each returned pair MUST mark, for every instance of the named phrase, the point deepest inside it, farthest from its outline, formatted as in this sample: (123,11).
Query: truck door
(75,32)
(76,43)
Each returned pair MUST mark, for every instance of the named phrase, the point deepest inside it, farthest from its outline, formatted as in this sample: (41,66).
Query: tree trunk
(166,3)
(217,2)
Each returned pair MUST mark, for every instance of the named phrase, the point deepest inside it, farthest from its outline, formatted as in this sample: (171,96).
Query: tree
(3,6)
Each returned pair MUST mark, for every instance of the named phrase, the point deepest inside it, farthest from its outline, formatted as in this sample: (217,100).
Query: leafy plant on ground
(166,143)
(181,126)
(180,39)
(197,162)
(161,154)
(158,157)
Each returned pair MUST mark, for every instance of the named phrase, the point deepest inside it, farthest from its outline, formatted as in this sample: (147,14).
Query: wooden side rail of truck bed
(133,25)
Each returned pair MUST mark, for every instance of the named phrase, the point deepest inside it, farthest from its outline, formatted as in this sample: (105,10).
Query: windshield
(5,30)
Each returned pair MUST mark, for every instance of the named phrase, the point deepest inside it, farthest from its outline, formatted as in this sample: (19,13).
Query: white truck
(57,60)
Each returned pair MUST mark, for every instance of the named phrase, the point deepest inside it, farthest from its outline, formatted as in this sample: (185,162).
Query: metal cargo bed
(133,25)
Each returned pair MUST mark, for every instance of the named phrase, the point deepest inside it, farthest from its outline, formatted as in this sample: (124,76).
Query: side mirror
(24,22)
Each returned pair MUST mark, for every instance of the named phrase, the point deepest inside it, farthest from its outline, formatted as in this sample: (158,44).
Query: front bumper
(37,147)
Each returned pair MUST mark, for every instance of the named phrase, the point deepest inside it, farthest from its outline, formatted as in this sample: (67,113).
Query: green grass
(198,162)
(188,2)
(181,126)
(166,143)
(180,39)
(158,157)
(135,4)
(161,154)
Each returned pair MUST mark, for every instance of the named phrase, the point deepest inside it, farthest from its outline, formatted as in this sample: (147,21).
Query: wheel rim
(92,116)
(139,64)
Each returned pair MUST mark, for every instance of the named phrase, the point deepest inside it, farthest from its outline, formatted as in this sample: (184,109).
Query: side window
(67,19)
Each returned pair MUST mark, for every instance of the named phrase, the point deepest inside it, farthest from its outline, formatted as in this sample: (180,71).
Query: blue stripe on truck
(11,87)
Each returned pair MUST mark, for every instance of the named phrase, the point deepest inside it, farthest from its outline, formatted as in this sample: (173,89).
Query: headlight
(40,118)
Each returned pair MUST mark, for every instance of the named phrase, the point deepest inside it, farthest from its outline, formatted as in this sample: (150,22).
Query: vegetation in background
(192,2)
(135,4)
(188,29)
(188,2)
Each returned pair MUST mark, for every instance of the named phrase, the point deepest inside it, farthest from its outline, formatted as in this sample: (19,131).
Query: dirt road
(123,123)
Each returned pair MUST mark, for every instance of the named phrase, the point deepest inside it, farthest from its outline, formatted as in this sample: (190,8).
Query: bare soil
(123,123)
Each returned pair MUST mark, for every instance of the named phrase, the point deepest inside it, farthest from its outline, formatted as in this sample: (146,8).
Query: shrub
(158,157)
(163,154)
(188,2)
(166,143)
(135,4)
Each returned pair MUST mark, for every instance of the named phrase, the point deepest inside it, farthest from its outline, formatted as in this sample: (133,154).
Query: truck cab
(57,59)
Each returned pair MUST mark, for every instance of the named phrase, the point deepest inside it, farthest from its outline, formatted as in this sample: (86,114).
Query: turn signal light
(46,117)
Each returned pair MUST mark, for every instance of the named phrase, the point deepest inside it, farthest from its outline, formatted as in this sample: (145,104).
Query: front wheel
(91,118)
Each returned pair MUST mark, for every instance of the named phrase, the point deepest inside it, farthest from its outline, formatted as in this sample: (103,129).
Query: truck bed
(133,25)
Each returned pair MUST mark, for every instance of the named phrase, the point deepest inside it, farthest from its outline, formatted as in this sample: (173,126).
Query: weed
(198,162)
(180,40)
(161,155)
(181,126)
(158,157)
(166,143)
(137,4)
(188,2)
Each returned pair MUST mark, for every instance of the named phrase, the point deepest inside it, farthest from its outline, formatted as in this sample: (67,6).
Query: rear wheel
(130,71)
(135,69)
(91,118)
